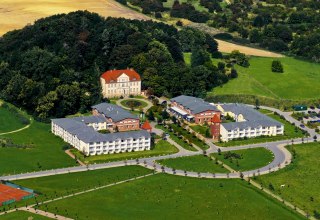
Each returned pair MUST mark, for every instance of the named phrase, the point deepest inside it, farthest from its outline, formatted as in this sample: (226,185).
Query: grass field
(289,133)
(250,159)
(201,129)
(171,197)
(161,148)
(58,185)
(195,3)
(8,121)
(15,14)
(301,178)
(197,163)
(46,151)
(136,103)
(299,81)
(22,215)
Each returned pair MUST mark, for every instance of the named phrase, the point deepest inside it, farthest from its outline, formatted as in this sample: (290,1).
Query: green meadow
(9,121)
(164,196)
(250,159)
(45,151)
(22,215)
(197,163)
(299,81)
(301,179)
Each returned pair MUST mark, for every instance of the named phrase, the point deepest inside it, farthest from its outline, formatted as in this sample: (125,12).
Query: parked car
(302,126)
(312,107)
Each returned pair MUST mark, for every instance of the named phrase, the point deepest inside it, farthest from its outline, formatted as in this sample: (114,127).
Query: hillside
(300,80)
(15,14)
(52,68)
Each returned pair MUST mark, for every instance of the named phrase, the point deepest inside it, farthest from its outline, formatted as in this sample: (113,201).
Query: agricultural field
(244,160)
(161,148)
(164,196)
(15,14)
(44,151)
(197,163)
(300,80)
(301,179)
(22,215)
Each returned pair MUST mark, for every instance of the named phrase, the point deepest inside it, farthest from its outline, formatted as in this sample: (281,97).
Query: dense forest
(290,26)
(52,68)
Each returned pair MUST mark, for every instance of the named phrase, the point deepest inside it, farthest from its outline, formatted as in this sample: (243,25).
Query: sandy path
(15,14)
(227,47)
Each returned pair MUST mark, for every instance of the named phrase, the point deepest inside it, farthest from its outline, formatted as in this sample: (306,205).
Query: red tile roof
(216,119)
(112,75)
(146,126)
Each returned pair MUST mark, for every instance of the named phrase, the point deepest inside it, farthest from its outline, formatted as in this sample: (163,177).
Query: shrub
(277,66)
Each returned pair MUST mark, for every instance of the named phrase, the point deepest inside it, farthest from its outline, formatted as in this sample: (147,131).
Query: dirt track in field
(15,14)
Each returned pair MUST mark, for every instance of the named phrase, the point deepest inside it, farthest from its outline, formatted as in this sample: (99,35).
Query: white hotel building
(82,133)
(249,123)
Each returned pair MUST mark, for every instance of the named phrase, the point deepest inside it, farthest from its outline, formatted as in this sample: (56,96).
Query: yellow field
(15,14)
(227,47)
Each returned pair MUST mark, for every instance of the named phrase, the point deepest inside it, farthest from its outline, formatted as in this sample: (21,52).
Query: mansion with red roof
(116,83)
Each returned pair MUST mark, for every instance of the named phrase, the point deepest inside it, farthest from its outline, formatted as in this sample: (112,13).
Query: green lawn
(177,139)
(250,159)
(63,184)
(300,80)
(199,129)
(289,132)
(46,151)
(161,148)
(9,121)
(171,197)
(197,163)
(136,103)
(22,215)
(301,178)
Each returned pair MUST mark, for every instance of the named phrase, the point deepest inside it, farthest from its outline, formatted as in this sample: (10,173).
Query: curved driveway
(282,158)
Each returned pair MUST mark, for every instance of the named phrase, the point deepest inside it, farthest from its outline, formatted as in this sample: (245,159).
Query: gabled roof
(253,117)
(216,119)
(112,75)
(146,126)
(195,105)
(91,119)
(87,134)
(116,113)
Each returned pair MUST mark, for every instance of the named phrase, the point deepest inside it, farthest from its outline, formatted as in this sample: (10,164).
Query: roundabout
(134,103)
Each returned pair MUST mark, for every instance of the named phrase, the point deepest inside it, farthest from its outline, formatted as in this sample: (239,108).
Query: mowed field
(164,196)
(301,179)
(300,80)
(15,14)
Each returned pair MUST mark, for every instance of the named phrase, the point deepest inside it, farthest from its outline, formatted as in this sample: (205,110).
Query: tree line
(290,26)
(52,68)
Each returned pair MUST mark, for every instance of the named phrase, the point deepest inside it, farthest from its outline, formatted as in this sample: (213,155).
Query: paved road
(282,157)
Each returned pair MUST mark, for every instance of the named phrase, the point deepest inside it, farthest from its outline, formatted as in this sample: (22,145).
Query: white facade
(111,146)
(123,86)
(227,135)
